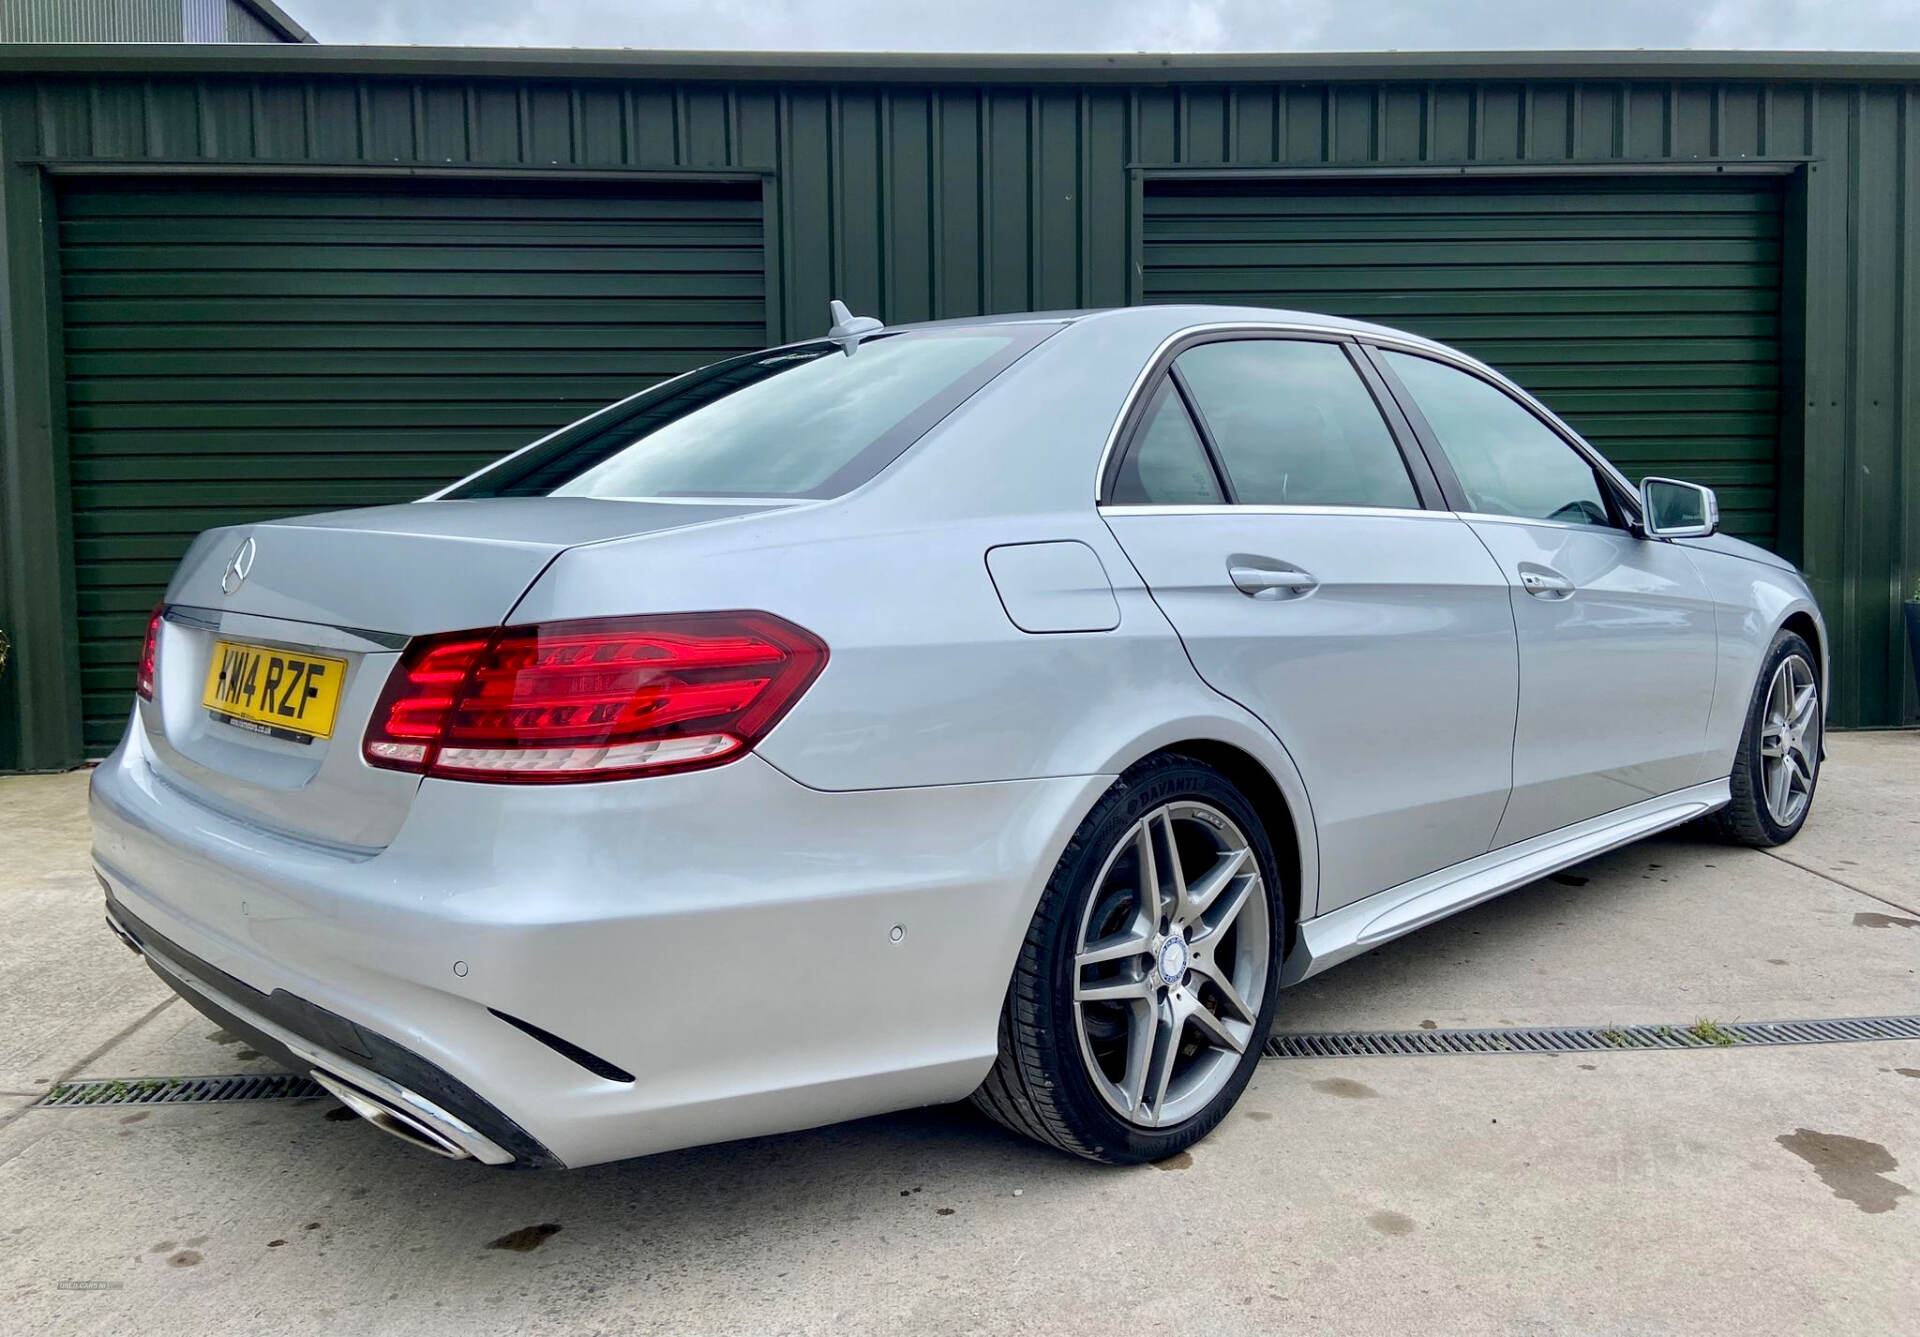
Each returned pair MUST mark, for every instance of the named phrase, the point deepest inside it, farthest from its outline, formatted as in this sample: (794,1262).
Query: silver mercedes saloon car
(1008,708)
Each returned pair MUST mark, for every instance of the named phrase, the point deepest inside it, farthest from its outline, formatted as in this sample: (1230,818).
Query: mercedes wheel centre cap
(1173,959)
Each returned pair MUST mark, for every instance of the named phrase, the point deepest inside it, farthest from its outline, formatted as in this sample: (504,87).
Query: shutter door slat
(238,353)
(1647,315)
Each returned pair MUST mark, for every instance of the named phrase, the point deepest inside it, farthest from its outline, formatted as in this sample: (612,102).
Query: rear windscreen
(807,421)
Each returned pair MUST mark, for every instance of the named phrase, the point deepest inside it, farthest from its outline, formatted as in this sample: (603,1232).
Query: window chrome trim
(693,499)
(1229,508)
(1543,523)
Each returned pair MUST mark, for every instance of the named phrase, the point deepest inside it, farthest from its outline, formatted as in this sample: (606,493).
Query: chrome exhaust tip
(390,1119)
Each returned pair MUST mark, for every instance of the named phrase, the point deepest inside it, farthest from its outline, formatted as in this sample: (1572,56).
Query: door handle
(1263,583)
(1543,582)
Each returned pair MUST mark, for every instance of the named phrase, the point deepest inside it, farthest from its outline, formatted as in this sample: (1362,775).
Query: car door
(1616,632)
(1291,532)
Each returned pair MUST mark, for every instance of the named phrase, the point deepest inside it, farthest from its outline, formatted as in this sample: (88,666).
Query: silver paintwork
(1709,509)
(1627,637)
(1052,587)
(1175,952)
(1436,731)
(848,329)
(1385,678)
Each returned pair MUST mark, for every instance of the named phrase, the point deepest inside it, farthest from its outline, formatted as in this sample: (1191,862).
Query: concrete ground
(1746,1191)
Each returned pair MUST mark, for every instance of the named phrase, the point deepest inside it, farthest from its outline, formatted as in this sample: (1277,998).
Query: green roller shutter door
(236,352)
(1646,314)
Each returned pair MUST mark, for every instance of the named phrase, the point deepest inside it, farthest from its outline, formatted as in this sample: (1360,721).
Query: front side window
(1295,425)
(1507,460)
(806,421)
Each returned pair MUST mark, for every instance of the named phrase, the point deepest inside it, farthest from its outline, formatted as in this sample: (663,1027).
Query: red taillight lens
(591,700)
(144,683)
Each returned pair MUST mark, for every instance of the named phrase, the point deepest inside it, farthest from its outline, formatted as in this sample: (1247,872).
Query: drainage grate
(180,1090)
(1318,1044)
(1589,1039)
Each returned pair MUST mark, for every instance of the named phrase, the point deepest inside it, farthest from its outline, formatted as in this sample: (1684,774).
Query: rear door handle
(1260,582)
(1543,582)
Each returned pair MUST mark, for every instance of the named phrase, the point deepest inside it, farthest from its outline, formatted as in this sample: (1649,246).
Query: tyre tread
(1018,1093)
(1744,821)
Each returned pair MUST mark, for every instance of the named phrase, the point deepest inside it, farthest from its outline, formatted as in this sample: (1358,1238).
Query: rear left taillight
(148,652)
(600,699)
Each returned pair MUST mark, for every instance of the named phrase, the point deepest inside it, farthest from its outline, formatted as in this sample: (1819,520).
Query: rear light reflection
(591,700)
(148,652)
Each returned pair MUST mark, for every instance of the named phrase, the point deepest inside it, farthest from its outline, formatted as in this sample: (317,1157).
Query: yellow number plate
(284,693)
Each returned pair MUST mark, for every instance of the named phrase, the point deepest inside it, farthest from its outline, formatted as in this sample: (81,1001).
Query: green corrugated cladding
(1019,188)
(236,352)
(1646,313)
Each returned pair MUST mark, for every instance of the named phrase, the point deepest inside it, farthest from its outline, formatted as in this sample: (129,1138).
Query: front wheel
(1777,767)
(1147,981)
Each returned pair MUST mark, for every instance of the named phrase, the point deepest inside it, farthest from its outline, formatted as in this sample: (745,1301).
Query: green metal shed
(248,281)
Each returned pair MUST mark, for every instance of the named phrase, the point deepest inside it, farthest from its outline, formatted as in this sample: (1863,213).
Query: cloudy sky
(1122,25)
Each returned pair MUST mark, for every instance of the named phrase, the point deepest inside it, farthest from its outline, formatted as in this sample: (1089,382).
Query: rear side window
(1167,464)
(1508,461)
(1295,425)
(806,421)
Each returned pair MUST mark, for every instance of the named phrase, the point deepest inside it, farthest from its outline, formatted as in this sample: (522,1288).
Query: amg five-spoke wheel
(1777,765)
(1171,963)
(1790,740)
(1148,977)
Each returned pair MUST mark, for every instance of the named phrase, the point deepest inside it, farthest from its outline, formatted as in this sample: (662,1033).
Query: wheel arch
(1803,624)
(1251,777)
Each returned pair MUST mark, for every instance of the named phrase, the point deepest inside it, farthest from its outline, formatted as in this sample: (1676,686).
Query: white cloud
(1120,25)
(1867,25)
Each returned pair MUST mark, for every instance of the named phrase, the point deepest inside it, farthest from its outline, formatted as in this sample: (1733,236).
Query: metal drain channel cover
(180,1090)
(1315,1044)
(1588,1039)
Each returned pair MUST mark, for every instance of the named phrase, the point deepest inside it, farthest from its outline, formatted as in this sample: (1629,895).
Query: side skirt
(1352,929)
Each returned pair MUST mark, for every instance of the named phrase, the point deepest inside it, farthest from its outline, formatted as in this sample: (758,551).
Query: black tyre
(1147,981)
(1777,768)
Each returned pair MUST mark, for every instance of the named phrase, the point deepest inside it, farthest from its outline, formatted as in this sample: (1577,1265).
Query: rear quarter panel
(928,681)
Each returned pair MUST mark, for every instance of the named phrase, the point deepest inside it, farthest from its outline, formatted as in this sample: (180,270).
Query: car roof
(1173,318)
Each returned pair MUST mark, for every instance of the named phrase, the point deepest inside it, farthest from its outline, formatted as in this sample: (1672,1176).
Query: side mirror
(1671,509)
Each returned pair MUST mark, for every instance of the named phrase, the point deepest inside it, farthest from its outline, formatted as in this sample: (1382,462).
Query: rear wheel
(1147,981)
(1777,767)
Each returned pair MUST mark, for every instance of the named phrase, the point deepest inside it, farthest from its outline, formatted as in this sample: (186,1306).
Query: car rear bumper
(727,938)
(382,1079)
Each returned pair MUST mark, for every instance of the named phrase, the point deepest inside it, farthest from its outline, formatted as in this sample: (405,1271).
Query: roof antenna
(848,329)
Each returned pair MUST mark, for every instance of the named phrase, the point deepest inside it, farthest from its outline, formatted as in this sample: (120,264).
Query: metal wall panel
(133,21)
(204,20)
(91,20)
(243,25)
(236,351)
(913,199)
(1646,313)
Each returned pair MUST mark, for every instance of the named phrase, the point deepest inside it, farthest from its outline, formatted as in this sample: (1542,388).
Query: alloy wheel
(1170,963)
(1790,740)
